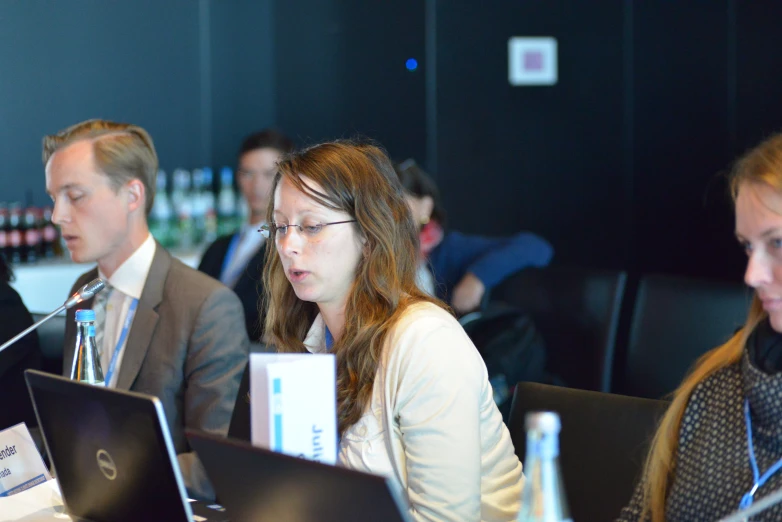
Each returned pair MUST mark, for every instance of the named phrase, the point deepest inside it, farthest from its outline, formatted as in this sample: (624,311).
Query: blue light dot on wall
(411,64)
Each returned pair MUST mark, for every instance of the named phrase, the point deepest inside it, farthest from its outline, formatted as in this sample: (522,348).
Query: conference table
(40,503)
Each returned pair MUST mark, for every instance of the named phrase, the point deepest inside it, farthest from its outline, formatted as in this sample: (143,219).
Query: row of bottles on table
(187,213)
(28,234)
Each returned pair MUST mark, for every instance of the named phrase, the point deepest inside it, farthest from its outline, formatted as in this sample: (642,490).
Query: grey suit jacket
(188,346)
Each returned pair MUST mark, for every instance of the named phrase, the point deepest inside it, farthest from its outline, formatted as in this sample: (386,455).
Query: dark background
(620,165)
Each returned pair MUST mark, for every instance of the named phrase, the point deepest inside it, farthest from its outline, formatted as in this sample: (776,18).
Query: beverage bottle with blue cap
(543,498)
(86,363)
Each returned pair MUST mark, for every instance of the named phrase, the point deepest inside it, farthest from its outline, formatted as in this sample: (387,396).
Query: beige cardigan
(432,425)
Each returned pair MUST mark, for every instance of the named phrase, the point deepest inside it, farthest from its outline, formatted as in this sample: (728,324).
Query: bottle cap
(544,421)
(226,175)
(85,315)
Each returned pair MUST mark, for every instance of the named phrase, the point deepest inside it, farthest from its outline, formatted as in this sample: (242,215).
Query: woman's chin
(304,294)
(775,318)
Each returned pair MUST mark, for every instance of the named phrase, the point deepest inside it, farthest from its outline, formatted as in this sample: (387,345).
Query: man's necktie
(99,306)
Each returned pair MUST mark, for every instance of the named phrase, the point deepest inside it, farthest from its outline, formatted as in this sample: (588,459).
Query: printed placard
(293,404)
(21,466)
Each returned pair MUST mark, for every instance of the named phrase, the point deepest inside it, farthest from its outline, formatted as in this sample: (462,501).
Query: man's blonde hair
(122,152)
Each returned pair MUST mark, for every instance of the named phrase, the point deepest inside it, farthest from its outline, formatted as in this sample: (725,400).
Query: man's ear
(427,207)
(136,195)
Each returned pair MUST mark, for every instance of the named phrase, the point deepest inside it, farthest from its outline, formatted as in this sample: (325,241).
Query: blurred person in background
(237,259)
(456,267)
(14,360)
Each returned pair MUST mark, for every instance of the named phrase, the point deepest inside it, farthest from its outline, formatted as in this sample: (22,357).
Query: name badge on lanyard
(122,336)
(759,480)
(226,277)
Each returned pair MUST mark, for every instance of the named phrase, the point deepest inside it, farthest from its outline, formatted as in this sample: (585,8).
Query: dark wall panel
(341,72)
(758,71)
(242,75)
(547,159)
(682,136)
(63,62)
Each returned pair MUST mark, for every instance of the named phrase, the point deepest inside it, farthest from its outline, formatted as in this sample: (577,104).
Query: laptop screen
(110,450)
(258,484)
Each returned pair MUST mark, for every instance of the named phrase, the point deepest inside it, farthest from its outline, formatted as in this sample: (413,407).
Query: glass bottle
(86,361)
(543,498)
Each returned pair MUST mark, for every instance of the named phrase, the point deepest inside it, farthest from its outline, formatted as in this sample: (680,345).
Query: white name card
(293,404)
(21,466)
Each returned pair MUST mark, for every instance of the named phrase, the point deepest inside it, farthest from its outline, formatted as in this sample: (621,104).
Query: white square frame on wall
(532,60)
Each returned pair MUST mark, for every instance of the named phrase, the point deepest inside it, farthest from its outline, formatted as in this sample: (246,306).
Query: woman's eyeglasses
(273,229)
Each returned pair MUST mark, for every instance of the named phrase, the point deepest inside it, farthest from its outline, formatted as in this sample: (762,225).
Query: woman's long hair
(760,166)
(357,179)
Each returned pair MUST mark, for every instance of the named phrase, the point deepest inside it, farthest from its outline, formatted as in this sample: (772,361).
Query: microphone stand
(84,293)
(30,329)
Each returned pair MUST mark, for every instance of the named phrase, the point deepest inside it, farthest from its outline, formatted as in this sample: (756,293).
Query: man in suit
(237,259)
(162,328)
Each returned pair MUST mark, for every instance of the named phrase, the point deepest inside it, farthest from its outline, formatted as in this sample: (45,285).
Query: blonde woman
(719,446)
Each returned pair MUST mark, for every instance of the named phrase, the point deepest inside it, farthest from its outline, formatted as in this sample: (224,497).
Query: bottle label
(32,237)
(545,447)
(15,238)
(49,233)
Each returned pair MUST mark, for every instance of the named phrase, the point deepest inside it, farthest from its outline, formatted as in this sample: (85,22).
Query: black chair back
(603,443)
(576,311)
(239,428)
(675,320)
(51,337)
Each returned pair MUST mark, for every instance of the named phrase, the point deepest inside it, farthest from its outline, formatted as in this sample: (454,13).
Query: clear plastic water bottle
(198,207)
(210,219)
(543,498)
(181,199)
(86,362)
(227,214)
(160,216)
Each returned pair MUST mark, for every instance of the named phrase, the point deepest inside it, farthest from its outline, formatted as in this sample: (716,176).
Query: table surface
(40,503)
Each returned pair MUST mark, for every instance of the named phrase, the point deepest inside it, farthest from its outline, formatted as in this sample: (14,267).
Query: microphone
(84,293)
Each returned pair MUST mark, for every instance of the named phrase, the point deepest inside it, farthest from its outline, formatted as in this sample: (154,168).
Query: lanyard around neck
(748,498)
(121,341)
(329,339)
(229,255)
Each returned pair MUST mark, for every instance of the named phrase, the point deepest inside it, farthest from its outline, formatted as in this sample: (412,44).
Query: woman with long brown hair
(719,446)
(413,398)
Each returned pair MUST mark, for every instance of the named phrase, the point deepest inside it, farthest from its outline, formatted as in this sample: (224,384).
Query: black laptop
(111,451)
(255,484)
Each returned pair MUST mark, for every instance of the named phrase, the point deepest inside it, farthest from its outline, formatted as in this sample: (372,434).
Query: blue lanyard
(121,341)
(229,254)
(329,343)
(747,499)
(329,339)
